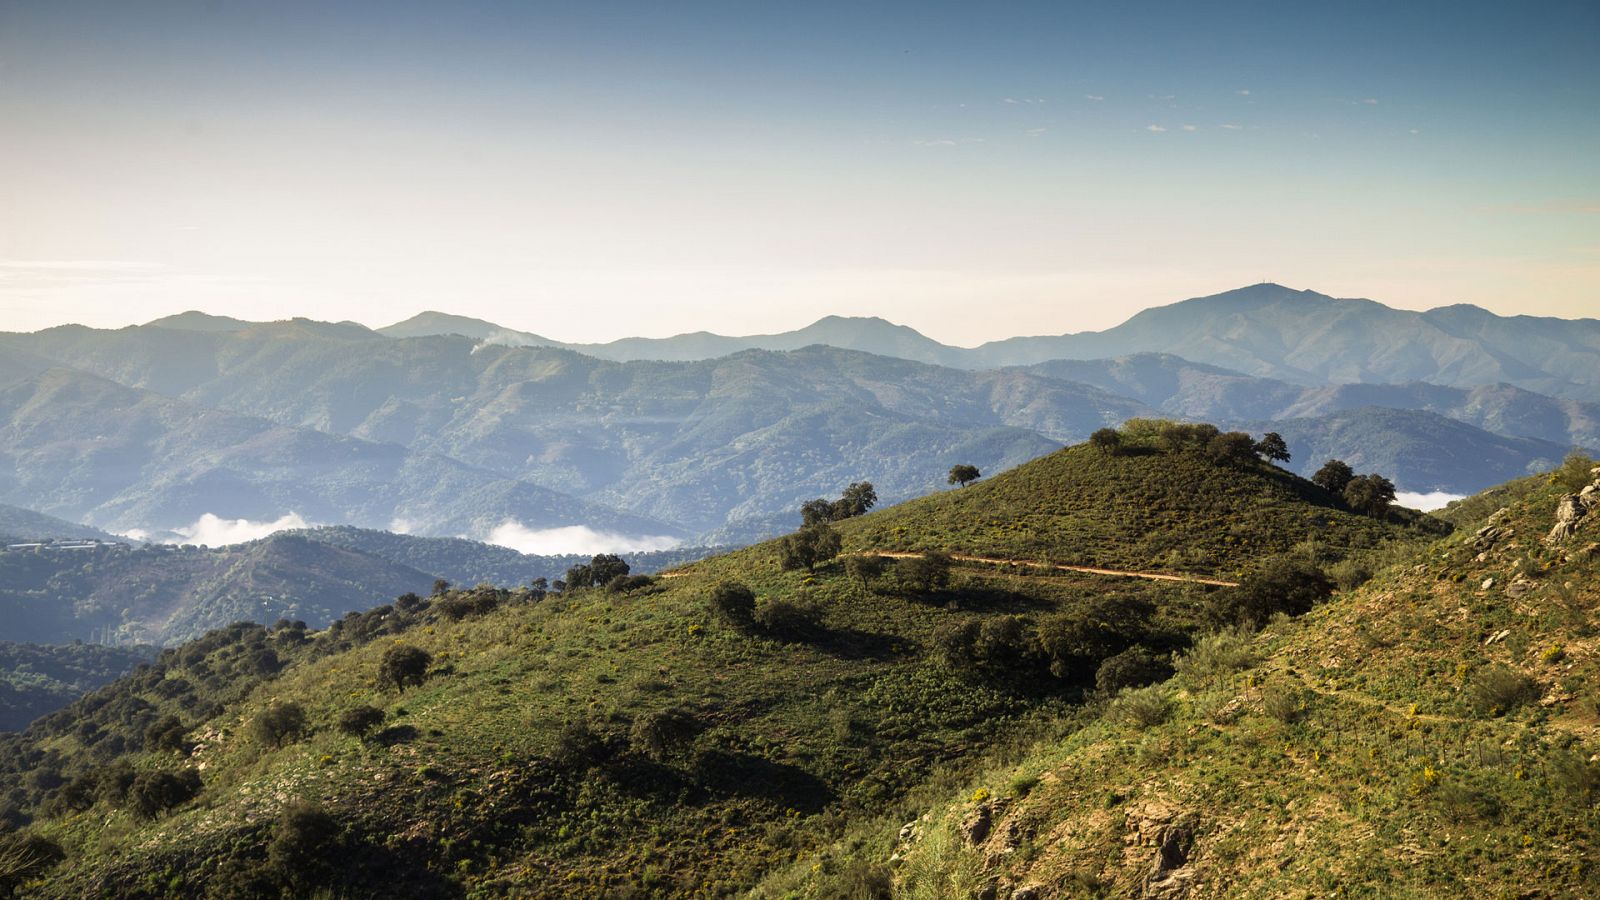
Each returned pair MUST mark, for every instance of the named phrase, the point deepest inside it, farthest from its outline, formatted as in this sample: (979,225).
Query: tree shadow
(743,775)
(395,734)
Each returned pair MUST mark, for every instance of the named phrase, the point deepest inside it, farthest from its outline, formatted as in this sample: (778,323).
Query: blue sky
(593,170)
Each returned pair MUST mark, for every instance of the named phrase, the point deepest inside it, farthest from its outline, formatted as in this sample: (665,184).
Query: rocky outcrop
(1574,510)
(1165,838)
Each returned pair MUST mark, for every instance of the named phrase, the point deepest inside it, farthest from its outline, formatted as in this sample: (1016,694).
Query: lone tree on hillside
(1232,448)
(864,568)
(1370,494)
(1334,476)
(1272,447)
(808,546)
(404,665)
(1107,441)
(964,474)
(734,602)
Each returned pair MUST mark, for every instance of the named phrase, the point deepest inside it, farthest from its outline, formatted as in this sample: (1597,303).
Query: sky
(593,170)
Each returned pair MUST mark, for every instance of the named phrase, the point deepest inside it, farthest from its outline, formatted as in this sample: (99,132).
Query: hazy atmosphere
(591,171)
(821,451)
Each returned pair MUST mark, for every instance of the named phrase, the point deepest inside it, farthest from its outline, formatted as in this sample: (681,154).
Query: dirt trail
(1091,570)
(1000,561)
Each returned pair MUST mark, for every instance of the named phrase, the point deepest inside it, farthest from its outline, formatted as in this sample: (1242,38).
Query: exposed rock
(1171,834)
(1488,583)
(1518,587)
(1028,892)
(975,827)
(908,832)
(1568,511)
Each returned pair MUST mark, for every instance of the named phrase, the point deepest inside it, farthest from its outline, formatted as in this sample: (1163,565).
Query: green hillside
(639,739)
(1141,509)
(40,678)
(1434,733)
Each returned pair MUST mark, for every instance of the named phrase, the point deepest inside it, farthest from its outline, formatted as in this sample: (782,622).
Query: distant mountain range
(449,426)
(1265,330)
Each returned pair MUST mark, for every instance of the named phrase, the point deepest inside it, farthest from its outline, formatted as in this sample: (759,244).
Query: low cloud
(1427,502)
(214,531)
(1155,128)
(579,539)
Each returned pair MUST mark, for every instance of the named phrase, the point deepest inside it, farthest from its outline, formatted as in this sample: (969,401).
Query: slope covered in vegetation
(688,734)
(1432,733)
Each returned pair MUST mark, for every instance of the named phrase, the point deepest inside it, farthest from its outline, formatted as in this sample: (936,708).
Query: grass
(520,765)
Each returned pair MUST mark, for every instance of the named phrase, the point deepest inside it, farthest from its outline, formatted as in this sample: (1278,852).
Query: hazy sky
(591,170)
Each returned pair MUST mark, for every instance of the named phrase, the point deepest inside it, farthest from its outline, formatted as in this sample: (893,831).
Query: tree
(808,546)
(1334,476)
(440,586)
(605,567)
(963,475)
(580,576)
(279,724)
(25,856)
(864,568)
(815,512)
(735,603)
(1233,448)
(1370,494)
(538,588)
(1272,447)
(1107,441)
(404,665)
(790,619)
(859,497)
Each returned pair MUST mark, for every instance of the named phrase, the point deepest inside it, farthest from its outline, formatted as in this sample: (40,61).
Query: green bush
(1134,667)
(1217,655)
(789,619)
(661,734)
(923,574)
(579,746)
(403,665)
(303,853)
(25,856)
(1283,584)
(153,793)
(360,721)
(1497,690)
(279,724)
(734,602)
(1144,707)
(1573,473)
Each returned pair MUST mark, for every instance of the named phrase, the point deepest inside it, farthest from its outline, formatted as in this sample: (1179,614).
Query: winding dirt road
(1033,563)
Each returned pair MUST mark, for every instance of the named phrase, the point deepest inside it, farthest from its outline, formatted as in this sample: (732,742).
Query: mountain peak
(195,320)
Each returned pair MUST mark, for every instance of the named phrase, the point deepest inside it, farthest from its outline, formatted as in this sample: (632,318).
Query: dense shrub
(1232,448)
(734,602)
(153,793)
(810,545)
(1573,473)
(303,852)
(1496,690)
(360,721)
(579,746)
(790,619)
(923,574)
(1076,641)
(279,724)
(1144,707)
(1134,667)
(623,584)
(1218,655)
(167,735)
(25,856)
(1283,584)
(404,665)
(660,734)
